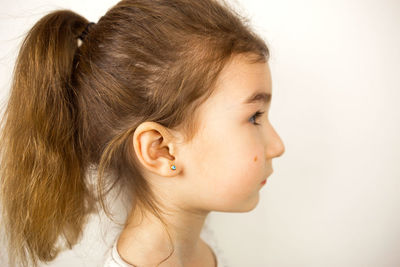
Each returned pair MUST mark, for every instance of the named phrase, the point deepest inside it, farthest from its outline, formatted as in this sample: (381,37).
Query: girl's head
(154,83)
(224,164)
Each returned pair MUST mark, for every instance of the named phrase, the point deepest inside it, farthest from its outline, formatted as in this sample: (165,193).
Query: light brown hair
(73,107)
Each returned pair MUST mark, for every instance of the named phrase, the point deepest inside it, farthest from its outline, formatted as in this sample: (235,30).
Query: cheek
(227,169)
(239,170)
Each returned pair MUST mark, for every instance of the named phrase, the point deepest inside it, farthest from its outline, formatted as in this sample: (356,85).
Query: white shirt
(113,258)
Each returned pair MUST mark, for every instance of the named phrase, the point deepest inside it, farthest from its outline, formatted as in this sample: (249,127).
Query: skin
(221,169)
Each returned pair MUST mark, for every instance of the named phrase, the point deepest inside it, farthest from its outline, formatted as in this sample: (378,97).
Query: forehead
(237,83)
(240,80)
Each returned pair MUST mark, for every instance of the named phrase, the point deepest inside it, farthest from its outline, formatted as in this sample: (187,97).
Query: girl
(166,100)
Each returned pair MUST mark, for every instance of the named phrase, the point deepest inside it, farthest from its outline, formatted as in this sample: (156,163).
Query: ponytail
(42,186)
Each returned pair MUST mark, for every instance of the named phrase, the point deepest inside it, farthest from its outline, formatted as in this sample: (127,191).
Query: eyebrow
(258,97)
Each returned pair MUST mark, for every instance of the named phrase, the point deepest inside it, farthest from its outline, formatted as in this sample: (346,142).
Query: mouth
(265,180)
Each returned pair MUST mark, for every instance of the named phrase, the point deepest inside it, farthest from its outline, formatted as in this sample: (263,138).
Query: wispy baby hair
(71,108)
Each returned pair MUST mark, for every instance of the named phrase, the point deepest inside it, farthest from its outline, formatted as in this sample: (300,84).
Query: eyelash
(255,116)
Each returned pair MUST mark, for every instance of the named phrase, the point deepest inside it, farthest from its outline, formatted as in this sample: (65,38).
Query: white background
(333,199)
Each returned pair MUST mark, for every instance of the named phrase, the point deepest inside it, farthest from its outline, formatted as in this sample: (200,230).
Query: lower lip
(263,182)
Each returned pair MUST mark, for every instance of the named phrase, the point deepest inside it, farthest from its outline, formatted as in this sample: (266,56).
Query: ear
(154,148)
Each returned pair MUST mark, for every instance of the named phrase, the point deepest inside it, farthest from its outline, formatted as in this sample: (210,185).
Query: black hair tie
(86,31)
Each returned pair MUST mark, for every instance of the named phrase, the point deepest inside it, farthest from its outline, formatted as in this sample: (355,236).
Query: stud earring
(173,167)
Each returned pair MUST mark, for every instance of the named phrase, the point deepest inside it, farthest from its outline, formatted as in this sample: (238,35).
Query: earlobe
(153,146)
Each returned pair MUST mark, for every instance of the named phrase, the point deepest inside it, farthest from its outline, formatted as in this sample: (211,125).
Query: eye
(255,116)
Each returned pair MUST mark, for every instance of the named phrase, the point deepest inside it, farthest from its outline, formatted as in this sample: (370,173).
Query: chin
(243,206)
(250,205)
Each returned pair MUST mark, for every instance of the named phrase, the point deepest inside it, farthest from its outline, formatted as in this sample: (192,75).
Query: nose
(275,146)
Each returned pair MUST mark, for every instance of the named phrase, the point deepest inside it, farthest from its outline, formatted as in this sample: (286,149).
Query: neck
(144,239)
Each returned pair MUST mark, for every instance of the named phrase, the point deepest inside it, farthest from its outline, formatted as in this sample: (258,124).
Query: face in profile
(231,155)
